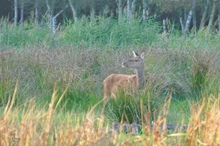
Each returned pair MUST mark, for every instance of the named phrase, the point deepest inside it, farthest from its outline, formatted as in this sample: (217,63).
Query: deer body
(115,82)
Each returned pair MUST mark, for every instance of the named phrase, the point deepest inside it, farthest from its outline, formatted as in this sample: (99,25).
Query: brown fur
(114,82)
(122,82)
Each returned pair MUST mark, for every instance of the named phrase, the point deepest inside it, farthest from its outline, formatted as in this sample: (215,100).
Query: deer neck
(140,77)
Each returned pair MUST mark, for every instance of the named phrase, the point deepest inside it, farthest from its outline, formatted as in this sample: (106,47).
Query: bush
(130,108)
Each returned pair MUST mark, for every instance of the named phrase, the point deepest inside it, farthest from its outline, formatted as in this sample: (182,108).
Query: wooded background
(185,14)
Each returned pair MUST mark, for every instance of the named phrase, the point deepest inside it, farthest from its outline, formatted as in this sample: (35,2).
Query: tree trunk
(186,30)
(182,25)
(15,12)
(73,11)
(185,15)
(128,10)
(36,13)
(119,10)
(50,17)
(133,7)
(54,29)
(211,17)
(202,23)
(164,26)
(22,13)
(219,22)
(194,14)
(144,10)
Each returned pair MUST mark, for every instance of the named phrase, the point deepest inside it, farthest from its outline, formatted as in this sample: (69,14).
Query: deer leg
(113,95)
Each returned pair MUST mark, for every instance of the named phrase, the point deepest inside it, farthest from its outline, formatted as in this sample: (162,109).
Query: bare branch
(73,11)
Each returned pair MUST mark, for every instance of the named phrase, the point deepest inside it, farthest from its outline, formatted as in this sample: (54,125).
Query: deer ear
(142,55)
(135,53)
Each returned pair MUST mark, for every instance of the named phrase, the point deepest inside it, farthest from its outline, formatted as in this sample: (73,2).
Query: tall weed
(106,31)
(99,31)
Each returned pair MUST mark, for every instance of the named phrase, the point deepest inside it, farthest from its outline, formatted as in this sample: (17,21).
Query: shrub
(130,108)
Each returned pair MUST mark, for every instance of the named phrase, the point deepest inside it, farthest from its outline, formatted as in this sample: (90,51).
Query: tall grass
(196,40)
(98,31)
(31,125)
(13,36)
(79,57)
(206,117)
(184,75)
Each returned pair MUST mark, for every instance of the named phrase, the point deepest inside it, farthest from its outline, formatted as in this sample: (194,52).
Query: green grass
(99,32)
(199,40)
(82,54)
(179,112)
(40,70)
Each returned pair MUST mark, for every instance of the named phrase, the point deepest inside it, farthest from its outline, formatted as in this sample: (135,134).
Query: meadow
(51,84)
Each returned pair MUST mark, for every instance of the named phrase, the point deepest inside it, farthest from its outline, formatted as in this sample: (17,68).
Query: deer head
(136,62)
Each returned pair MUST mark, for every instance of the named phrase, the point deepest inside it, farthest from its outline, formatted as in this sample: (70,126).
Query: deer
(115,82)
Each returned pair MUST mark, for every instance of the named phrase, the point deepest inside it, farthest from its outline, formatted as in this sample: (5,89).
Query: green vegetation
(99,31)
(60,75)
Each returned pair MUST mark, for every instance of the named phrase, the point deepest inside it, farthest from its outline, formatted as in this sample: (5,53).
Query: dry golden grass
(204,126)
(31,125)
